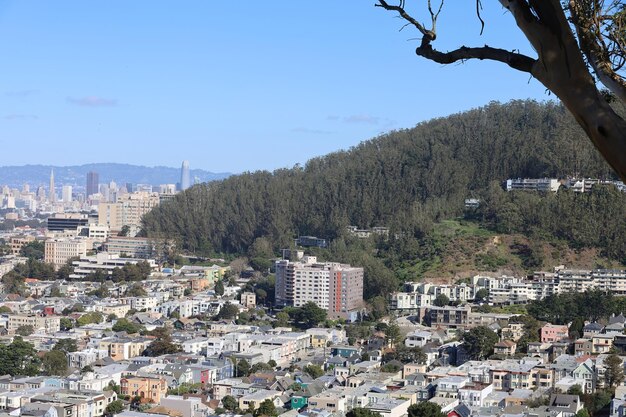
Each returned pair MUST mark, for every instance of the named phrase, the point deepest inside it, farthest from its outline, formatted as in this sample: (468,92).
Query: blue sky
(231,86)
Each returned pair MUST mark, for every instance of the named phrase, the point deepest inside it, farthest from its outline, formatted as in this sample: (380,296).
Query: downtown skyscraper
(93,180)
(52,197)
(185,176)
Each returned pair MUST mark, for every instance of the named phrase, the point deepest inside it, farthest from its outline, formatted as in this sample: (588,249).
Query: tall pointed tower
(51,193)
(185,178)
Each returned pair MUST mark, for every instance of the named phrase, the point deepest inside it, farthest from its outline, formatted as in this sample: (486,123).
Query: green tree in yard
(582,413)
(19,358)
(266,408)
(309,314)
(14,283)
(314,371)
(575,390)
(55,292)
(5,309)
(261,295)
(66,323)
(425,409)
(229,402)
(113,387)
(442,300)
(101,292)
(55,363)
(125,325)
(227,312)
(408,355)
(393,334)
(63,273)
(282,319)
(33,250)
(89,318)
(391,367)
(362,412)
(114,408)
(242,367)
(219,287)
(85,369)
(480,341)
(25,330)
(481,295)
(163,343)
(377,307)
(66,345)
(260,367)
(532,327)
(614,370)
(136,290)
(576,328)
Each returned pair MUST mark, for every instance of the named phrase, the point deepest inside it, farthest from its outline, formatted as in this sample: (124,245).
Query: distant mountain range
(16,176)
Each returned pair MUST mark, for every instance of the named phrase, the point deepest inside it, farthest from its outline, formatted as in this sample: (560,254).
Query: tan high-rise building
(337,288)
(127,211)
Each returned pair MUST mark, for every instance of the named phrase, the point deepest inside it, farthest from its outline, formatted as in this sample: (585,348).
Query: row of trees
(575,308)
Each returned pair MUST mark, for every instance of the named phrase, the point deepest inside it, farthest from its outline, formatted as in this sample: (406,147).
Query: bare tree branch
(515,60)
(430,34)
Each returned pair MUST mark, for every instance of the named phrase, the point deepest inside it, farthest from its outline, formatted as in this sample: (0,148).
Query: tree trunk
(605,128)
(561,68)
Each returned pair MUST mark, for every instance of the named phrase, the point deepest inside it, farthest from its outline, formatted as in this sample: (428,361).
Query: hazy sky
(231,86)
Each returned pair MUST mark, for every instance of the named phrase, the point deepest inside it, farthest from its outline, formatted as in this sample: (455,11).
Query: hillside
(414,181)
(404,179)
(16,176)
(466,249)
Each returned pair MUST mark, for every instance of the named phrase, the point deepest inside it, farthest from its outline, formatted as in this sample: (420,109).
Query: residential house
(148,388)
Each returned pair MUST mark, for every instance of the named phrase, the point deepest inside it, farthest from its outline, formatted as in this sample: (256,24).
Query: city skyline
(219,80)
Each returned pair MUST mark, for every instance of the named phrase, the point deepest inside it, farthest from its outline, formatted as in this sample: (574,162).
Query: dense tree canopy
(19,358)
(566,308)
(479,342)
(404,179)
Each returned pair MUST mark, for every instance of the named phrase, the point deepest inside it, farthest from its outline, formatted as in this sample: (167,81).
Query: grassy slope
(466,249)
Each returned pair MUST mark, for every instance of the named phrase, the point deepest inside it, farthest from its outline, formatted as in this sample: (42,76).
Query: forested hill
(404,179)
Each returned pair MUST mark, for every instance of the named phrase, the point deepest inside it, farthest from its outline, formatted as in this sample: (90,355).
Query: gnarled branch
(515,60)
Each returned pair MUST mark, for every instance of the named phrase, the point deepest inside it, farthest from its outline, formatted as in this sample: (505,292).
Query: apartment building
(512,290)
(533,184)
(50,324)
(127,210)
(59,251)
(120,349)
(80,359)
(448,317)
(554,333)
(148,388)
(16,243)
(337,288)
